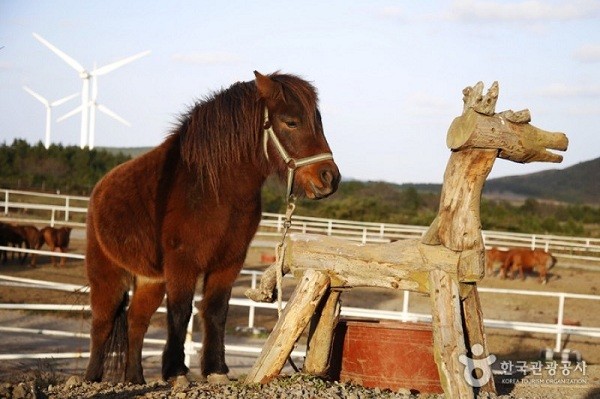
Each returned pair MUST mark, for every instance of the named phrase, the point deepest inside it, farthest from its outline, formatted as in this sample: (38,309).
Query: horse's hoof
(218,379)
(179,382)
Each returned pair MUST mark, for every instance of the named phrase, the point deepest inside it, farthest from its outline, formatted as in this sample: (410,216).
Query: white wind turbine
(88,105)
(49,105)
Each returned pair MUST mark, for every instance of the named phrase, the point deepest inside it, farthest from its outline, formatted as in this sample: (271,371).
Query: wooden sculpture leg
(475,334)
(320,336)
(293,321)
(448,336)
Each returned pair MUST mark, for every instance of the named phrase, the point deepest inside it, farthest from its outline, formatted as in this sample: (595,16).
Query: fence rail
(558,329)
(60,209)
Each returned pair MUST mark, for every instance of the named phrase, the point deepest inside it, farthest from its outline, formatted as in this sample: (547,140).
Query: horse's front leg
(180,289)
(213,311)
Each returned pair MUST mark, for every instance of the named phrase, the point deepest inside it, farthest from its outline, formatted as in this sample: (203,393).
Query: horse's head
(293,137)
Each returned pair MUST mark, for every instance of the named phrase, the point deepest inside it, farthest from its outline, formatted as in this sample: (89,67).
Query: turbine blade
(36,95)
(118,64)
(70,113)
(112,114)
(63,100)
(74,64)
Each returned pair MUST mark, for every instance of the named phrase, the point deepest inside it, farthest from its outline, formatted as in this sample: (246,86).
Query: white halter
(291,162)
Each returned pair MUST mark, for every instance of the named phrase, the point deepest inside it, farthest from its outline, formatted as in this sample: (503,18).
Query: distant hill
(577,184)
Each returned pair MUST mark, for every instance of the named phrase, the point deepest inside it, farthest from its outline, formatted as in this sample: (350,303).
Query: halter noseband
(292,163)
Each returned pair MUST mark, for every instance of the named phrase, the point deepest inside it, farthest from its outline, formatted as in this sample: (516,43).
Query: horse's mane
(225,127)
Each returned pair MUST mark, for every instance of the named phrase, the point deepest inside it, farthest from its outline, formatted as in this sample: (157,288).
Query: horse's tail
(552,261)
(115,350)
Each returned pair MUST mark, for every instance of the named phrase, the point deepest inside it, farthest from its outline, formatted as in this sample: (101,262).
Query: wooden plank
(401,265)
(475,334)
(293,321)
(448,337)
(320,337)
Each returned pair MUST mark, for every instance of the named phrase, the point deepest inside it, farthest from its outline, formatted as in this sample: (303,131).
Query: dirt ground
(506,345)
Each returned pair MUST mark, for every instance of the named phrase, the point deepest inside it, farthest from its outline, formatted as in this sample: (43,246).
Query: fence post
(405,306)
(251,308)
(52,217)
(329,227)
(559,321)
(189,339)
(66,208)
(6,202)
(382,230)
(533,241)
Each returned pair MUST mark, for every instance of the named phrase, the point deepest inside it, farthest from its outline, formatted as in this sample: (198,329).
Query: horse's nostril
(326,176)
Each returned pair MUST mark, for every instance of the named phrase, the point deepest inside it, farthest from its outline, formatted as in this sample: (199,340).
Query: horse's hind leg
(108,298)
(147,296)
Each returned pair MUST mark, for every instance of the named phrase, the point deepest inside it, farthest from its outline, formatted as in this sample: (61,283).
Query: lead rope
(279,257)
(280,250)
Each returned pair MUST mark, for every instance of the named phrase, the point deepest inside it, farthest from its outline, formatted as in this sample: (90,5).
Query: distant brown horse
(492,256)
(32,238)
(10,236)
(521,259)
(190,207)
(57,239)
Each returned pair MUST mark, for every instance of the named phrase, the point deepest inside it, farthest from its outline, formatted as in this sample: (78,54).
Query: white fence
(61,209)
(557,329)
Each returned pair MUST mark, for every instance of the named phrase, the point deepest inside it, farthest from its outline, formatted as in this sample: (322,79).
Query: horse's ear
(268,89)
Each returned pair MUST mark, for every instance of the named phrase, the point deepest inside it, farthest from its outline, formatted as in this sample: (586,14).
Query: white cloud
(5,65)
(564,90)
(588,53)
(205,58)
(425,104)
(527,10)
(392,12)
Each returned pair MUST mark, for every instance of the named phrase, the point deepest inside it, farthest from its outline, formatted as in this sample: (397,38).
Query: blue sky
(390,73)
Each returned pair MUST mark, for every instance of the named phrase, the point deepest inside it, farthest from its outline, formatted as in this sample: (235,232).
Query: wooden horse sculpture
(446,263)
(190,207)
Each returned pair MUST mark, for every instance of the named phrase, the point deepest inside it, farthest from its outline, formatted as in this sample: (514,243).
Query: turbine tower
(49,105)
(87,103)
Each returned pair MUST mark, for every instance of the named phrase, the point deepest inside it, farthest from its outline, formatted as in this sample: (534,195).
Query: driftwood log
(446,263)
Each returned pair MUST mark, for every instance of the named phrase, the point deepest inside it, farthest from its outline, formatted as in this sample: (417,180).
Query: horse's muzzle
(329,178)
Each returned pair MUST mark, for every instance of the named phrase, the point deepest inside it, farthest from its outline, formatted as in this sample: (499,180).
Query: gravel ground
(297,386)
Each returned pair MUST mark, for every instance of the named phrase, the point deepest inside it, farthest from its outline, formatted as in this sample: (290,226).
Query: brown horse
(492,256)
(521,259)
(10,236)
(190,207)
(33,239)
(57,239)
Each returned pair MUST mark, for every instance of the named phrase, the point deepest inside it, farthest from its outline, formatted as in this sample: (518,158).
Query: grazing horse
(57,239)
(190,208)
(33,239)
(526,259)
(492,256)
(10,236)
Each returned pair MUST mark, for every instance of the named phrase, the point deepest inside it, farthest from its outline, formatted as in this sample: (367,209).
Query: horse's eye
(291,124)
